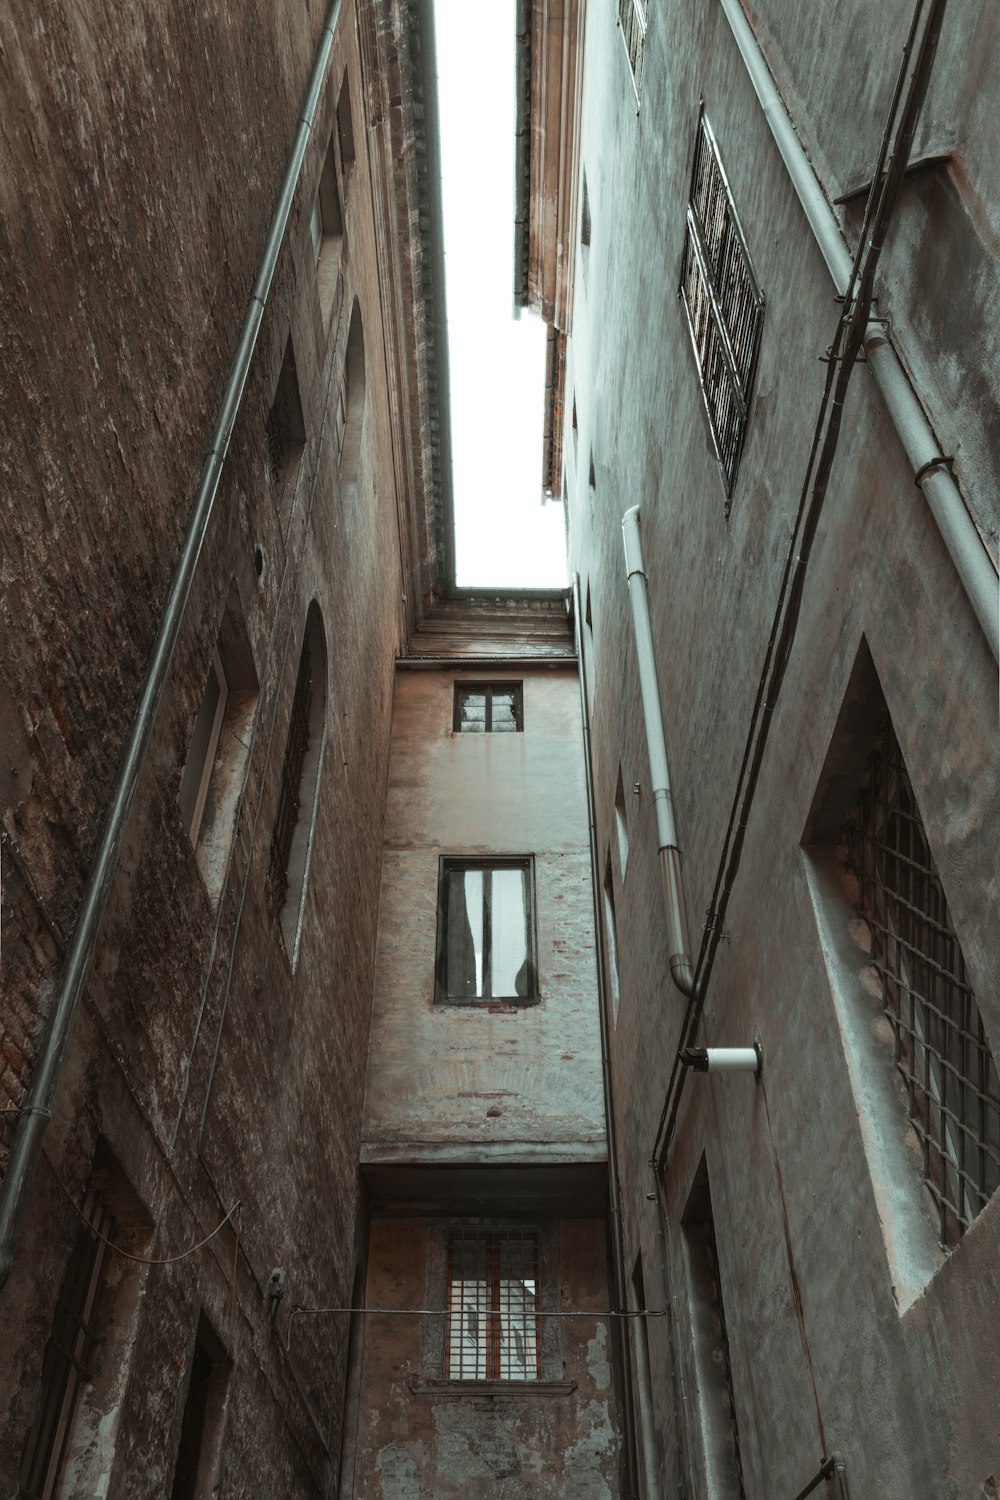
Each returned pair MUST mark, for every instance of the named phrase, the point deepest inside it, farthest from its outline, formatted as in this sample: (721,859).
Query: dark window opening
(285,430)
(713,1363)
(326,229)
(489,708)
(196,1473)
(940,1046)
(492,1320)
(611,927)
(723,303)
(485,941)
(66,1363)
(345,131)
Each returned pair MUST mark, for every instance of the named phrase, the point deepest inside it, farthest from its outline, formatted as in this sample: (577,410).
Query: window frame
(737,343)
(193,809)
(516,689)
(65,1370)
(915,948)
(493,1372)
(449,864)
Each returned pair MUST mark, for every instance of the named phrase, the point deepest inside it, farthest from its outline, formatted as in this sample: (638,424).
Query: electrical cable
(143,1260)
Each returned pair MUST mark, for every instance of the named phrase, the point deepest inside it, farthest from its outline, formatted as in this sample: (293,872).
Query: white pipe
(958,531)
(681,969)
(723,1059)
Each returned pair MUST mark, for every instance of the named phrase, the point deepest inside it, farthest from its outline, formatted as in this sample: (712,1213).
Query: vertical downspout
(681,968)
(31,1122)
(931,470)
(618,1276)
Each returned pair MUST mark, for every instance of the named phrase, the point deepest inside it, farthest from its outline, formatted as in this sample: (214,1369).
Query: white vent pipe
(930,467)
(681,968)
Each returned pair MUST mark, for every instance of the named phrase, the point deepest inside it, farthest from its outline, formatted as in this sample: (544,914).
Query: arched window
(292,835)
(351,403)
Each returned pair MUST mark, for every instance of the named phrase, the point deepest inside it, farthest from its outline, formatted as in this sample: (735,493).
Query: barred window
(291,835)
(940,1047)
(485,943)
(67,1354)
(723,304)
(632,20)
(492,1320)
(489,708)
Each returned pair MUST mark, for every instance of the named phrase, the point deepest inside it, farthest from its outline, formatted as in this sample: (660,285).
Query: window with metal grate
(492,1324)
(723,303)
(632,22)
(940,1046)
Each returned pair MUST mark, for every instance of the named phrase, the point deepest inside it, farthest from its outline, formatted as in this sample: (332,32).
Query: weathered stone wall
(499,1078)
(143,151)
(423,1435)
(826,1354)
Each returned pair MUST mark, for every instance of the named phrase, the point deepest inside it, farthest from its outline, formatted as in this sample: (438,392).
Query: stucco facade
(798,1200)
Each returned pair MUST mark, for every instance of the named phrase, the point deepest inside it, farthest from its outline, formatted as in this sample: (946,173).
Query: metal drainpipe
(930,468)
(618,1274)
(30,1129)
(681,968)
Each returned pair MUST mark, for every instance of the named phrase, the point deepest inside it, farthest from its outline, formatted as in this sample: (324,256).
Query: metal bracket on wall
(832,1470)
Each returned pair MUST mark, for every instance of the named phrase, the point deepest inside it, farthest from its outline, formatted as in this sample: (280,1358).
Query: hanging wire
(146,1260)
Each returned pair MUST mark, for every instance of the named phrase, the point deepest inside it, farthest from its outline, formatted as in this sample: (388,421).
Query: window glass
(489,708)
(484,931)
(492,1306)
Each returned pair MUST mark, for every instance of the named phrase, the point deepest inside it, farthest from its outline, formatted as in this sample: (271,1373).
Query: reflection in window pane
(493,1307)
(486,944)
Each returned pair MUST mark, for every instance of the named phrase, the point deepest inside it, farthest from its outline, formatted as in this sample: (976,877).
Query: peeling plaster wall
(421,1443)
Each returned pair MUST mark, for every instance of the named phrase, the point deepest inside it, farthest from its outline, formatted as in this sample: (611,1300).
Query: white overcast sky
(504,535)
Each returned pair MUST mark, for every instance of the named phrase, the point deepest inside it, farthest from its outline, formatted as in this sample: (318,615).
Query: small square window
(485,933)
(489,708)
(493,1322)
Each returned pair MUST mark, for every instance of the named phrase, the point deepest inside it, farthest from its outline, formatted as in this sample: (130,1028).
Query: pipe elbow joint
(682,974)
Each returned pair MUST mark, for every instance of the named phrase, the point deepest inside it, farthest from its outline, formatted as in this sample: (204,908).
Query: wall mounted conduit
(681,967)
(931,469)
(27,1142)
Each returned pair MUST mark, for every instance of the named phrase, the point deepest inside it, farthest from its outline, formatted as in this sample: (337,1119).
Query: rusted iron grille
(492,1330)
(287,815)
(722,301)
(64,1367)
(941,1050)
(489,708)
(632,16)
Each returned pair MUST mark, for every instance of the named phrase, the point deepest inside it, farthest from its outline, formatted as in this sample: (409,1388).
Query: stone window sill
(456,1389)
